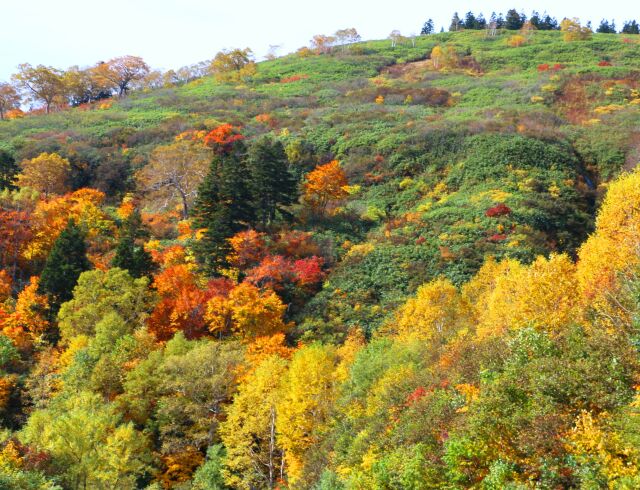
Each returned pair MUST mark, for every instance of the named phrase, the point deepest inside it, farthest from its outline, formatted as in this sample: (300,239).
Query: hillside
(448,314)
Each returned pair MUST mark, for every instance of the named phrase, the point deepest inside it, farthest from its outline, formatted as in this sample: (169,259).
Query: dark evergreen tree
(549,23)
(130,255)
(427,28)
(66,261)
(8,170)
(513,20)
(535,19)
(470,21)
(481,23)
(631,27)
(273,185)
(456,23)
(606,27)
(224,206)
(500,23)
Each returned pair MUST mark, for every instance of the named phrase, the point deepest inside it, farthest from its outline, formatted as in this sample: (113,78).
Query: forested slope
(376,265)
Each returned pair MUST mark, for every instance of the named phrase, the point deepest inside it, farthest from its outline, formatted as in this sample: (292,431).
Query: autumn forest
(405,263)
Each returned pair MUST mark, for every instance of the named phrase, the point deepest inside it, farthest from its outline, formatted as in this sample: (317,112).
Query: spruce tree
(223,207)
(631,27)
(66,261)
(514,20)
(272,184)
(427,28)
(131,256)
(8,170)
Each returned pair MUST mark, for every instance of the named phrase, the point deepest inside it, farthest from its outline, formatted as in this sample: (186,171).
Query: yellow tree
(543,294)
(233,65)
(248,312)
(254,459)
(121,72)
(304,407)
(174,173)
(437,311)
(573,31)
(42,84)
(436,57)
(611,253)
(47,173)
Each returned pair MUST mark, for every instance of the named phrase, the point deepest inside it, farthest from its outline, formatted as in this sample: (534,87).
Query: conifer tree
(129,255)
(65,263)
(223,207)
(8,170)
(631,27)
(606,27)
(272,185)
(427,28)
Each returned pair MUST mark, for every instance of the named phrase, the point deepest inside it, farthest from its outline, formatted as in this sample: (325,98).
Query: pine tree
(129,255)
(470,21)
(65,263)
(606,28)
(631,27)
(223,207)
(427,28)
(514,21)
(8,170)
(272,184)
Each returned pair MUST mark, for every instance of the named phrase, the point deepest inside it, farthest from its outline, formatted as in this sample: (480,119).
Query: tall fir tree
(66,261)
(8,170)
(131,255)
(223,207)
(272,184)
(427,28)
(631,27)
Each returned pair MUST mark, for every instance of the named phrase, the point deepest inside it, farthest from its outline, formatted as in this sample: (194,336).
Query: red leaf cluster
(222,137)
(294,78)
(498,210)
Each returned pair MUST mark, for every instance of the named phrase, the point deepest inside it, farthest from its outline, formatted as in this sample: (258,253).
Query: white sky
(172,33)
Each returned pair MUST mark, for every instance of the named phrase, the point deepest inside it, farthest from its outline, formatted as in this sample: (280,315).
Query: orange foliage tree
(325,183)
(50,217)
(183,301)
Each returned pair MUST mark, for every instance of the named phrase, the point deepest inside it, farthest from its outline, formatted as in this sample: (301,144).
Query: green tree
(8,170)
(99,293)
(273,185)
(631,27)
(223,207)
(197,379)
(86,443)
(66,261)
(427,28)
(132,256)
(209,475)
(606,27)
(513,20)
